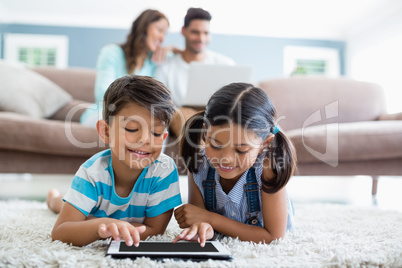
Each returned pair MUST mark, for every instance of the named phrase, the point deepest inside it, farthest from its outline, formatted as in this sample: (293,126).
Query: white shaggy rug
(326,235)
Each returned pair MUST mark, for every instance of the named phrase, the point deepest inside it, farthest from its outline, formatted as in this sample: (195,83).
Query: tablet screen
(168,247)
(158,249)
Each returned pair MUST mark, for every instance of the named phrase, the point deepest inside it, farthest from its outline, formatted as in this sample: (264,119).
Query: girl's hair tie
(275,130)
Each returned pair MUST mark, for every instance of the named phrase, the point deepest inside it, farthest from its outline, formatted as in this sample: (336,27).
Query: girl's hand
(122,229)
(159,56)
(188,214)
(201,232)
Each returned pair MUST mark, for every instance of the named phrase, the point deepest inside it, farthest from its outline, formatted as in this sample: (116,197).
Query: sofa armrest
(395,116)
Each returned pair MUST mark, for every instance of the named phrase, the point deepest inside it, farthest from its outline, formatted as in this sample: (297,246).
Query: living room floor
(353,190)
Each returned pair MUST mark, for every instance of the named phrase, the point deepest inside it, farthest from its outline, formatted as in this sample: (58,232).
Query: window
(311,61)
(37,50)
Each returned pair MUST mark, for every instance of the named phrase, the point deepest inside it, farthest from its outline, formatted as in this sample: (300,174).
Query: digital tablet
(161,250)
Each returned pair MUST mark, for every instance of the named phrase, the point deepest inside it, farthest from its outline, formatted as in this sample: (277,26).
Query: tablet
(161,250)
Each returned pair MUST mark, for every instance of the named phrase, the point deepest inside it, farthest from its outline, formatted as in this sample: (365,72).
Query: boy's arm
(73,227)
(155,225)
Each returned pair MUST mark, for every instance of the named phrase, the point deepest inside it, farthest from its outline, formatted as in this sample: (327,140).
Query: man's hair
(142,90)
(196,14)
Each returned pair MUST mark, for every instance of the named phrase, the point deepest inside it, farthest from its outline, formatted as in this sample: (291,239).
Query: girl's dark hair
(251,108)
(135,44)
(142,90)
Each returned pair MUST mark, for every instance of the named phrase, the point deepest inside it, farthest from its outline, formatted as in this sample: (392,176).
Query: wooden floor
(355,190)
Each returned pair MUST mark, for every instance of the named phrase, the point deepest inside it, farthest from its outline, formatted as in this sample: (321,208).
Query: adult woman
(139,55)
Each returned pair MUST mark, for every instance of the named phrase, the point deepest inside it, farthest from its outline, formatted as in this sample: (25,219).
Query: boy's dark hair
(196,14)
(251,108)
(142,90)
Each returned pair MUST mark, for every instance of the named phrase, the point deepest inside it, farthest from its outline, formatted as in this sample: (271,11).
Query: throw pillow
(27,92)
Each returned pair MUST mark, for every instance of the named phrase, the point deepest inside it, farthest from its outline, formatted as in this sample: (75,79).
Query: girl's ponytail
(283,162)
(190,141)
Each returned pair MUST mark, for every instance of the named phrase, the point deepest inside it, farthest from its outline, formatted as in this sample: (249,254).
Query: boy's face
(135,137)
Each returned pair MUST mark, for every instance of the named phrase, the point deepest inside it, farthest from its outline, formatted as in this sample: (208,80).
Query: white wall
(374,53)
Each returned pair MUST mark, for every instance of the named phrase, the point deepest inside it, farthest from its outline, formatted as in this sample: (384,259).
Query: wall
(374,53)
(265,54)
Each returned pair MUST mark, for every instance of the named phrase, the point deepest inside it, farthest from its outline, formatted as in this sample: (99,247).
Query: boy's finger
(103,231)
(114,231)
(135,235)
(141,229)
(125,233)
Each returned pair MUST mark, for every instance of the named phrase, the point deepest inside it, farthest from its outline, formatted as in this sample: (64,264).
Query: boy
(128,191)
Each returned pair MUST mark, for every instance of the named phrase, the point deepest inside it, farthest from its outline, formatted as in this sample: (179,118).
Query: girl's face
(231,149)
(156,33)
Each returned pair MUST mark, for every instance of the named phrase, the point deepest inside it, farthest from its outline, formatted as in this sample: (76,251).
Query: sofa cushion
(26,134)
(27,92)
(360,141)
(341,100)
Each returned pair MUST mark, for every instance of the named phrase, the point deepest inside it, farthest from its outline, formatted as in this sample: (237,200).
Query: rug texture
(326,235)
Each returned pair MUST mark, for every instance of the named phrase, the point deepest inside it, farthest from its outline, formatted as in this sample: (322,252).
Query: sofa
(51,145)
(338,127)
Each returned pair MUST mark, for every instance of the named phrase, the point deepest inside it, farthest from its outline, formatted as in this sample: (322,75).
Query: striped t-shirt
(155,191)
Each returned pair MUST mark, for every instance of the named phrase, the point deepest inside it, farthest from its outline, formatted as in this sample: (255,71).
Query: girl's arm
(194,195)
(274,209)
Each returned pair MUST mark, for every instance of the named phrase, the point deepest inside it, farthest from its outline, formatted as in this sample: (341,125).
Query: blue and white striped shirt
(234,204)
(93,192)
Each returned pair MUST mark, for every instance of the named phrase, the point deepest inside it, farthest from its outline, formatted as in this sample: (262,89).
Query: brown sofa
(338,126)
(52,146)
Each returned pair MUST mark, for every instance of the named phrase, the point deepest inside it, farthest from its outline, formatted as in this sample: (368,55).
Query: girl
(232,151)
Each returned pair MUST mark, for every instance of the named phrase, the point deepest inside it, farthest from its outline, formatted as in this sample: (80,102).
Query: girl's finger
(181,235)
(192,233)
(202,234)
(178,211)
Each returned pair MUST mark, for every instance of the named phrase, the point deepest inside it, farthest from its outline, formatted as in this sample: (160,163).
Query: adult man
(174,72)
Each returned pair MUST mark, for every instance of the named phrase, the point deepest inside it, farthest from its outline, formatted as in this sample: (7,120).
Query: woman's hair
(142,90)
(251,108)
(136,40)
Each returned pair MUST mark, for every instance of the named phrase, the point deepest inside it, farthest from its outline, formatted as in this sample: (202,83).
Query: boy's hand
(188,214)
(201,232)
(119,229)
